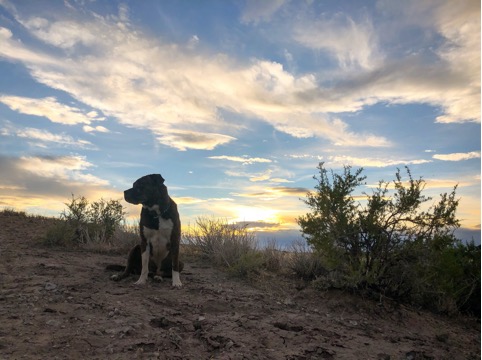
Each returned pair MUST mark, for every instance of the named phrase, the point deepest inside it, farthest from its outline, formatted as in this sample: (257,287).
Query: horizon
(235,103)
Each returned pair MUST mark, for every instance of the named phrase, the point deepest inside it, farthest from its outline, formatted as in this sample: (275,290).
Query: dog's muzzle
(133,196)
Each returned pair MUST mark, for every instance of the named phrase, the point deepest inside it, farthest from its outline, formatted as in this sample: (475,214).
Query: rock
(50,286)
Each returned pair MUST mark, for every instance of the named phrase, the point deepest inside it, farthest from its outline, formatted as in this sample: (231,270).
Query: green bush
(392,245)
(85,223)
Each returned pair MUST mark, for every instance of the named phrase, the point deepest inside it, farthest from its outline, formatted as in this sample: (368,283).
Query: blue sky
(236,102)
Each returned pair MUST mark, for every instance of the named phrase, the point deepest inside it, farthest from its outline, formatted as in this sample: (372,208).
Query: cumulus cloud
(453,80)
(446,76)
(147,83)
(457,156)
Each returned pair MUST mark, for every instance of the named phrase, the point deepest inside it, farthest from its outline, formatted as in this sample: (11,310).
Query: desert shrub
(443,275)
(87,224)
(305,263)
(10,211)
(395,244)
(274,258)
(225,245)
(247,265)
(60,234)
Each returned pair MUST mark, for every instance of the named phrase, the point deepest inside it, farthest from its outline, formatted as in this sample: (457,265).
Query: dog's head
(149,190)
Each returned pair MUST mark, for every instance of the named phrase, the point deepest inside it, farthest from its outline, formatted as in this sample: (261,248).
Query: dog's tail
(114,267)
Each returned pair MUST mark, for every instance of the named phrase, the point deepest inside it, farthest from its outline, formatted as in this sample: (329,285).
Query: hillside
(58,303)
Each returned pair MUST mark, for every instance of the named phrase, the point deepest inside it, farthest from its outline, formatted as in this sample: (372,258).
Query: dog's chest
(159,239)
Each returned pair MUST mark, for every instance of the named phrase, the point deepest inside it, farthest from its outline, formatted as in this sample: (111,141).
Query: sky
(236,102)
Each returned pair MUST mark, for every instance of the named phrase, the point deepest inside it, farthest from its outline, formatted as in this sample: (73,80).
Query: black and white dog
(160,229)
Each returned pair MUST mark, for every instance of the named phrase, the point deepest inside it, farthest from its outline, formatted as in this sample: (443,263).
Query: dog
(160,229)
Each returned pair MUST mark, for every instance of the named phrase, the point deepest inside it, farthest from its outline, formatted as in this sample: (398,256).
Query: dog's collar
(157,211)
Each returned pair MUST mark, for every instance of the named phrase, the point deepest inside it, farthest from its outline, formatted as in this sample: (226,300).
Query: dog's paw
(176,281)
(177,285)
(140,282)
(115,277)
(158,278)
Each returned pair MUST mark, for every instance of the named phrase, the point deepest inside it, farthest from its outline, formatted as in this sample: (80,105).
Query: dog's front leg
(176,281)
(145,248)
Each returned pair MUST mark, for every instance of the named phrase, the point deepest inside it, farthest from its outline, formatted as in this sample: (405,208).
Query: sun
(256,214)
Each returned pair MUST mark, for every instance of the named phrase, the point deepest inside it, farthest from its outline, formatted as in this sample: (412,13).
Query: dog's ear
(157,179)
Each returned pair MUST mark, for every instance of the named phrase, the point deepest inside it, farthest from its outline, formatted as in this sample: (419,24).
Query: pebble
(50,286)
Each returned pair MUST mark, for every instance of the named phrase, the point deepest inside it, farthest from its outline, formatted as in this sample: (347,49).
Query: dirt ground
(59,304)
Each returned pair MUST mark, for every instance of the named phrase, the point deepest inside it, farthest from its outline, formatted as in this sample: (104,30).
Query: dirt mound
(61,304)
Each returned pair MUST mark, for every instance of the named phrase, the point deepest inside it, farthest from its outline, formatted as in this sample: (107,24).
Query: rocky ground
(60,304)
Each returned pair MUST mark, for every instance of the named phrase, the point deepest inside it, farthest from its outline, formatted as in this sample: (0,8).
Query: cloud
(62,168)
(342,160)
(257,177)
(147,83)
(457,156)
(48,107)
(185,100)
(434,184)
(188,200)
(89,129)
(261,177)
(183,140)
(270,193)
(446,75)
(41,137)
(452,80)
(352,43)
(339,161)
(242,159)
(34,183)
(258,225)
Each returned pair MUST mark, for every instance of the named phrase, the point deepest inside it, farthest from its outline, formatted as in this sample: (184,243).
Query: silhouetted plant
(393,244)
(92,223)
(222,243)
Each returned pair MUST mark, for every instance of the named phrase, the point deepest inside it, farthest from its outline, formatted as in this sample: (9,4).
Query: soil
(61,304)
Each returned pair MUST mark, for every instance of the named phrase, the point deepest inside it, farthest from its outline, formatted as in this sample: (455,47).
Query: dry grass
(236,249)
(223,244)
(305,263)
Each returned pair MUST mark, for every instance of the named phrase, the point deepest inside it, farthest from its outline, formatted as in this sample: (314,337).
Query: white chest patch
(159,239)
